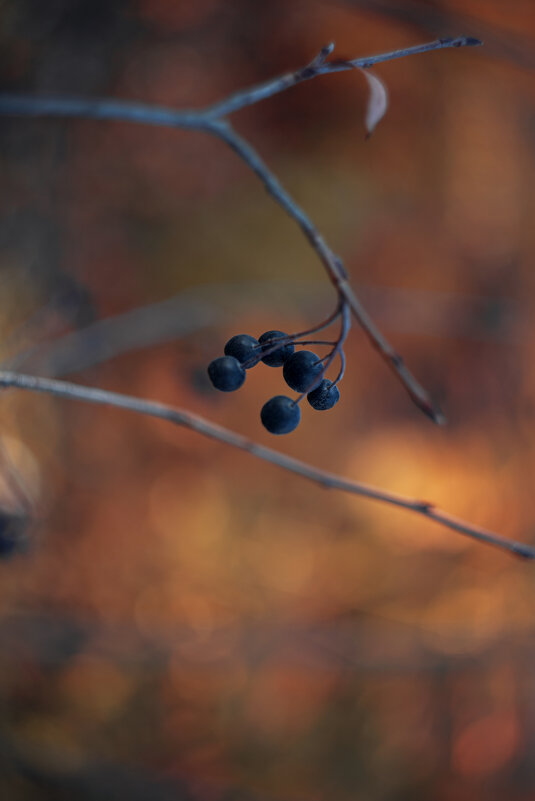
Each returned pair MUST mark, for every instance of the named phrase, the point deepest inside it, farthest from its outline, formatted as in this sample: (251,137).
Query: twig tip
(523,551)
(323,55)
(440,418)
(472,41)
(433,412)
(461,41)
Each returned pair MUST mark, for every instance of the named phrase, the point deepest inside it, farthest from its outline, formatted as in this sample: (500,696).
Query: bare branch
(201,119)
(180,417)
(211,120)
(102,109)
(318,66)
(334,268)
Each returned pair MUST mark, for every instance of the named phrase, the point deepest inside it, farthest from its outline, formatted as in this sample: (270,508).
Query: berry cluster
(302,370)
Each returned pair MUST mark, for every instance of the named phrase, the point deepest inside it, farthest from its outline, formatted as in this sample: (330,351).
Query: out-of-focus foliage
(182,621)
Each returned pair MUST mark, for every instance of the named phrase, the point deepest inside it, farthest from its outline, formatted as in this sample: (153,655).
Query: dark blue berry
(301,370)
(279,356)
(324,397)
(226,373)
(280,415)
(244,348)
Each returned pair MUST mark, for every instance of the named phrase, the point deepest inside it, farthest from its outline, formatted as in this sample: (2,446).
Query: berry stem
(342,368)
(214,120)
(337,350)
(325,324)
(290,339)
(312,342)
(333,266)
(346,325)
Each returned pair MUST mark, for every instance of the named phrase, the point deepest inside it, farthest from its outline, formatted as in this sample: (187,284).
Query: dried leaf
(377,101)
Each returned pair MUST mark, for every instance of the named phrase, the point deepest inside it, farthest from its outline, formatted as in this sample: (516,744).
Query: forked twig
(212,120)
(180,417)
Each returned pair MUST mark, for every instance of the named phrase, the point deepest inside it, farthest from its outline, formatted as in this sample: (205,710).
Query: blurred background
(178,620)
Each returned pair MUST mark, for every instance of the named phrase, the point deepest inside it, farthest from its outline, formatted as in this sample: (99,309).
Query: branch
(109,337)
(102,109)
(211,120)
(180,417)
(318,66)
(201,119)
(334,268)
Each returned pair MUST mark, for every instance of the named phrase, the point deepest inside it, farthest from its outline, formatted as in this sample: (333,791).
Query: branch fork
(214,120)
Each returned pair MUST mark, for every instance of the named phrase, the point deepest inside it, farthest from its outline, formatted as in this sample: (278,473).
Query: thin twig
(199,119)
(442,314)
(211,120)
(324,324)
(275,343)
(334,268)
(102,109)
(344,331)
(342,369)
(187,312)
(330,357)
(313,342)
(339,347)
(180,417)
(318,66)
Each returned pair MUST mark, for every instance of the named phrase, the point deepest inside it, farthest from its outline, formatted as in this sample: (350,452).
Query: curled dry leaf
(377,101)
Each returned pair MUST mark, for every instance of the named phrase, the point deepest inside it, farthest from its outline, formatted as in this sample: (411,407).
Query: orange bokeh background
(185,621)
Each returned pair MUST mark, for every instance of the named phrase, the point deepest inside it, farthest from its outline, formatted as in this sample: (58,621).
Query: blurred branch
(501,41)
(180,417)
(319,66)
(334,268)
(212,120)
(112,336)
(409,311)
